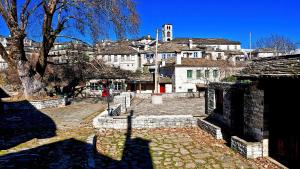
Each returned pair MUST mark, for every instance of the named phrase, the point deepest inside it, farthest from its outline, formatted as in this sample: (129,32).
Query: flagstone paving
(167,148)
(176,106)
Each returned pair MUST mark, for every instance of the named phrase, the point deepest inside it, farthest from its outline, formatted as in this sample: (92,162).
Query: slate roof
(117,48)
(264,50)
(207,41)
(170,47)
(199,62)
(280,66)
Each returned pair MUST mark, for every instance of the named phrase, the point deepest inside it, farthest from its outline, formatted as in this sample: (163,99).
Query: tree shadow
(23,122)
(72,153)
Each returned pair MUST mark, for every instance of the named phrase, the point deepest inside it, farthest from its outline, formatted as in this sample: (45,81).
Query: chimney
(191,43)
(178,59)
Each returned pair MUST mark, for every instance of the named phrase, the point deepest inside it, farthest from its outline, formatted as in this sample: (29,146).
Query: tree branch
(71,37)
(3,52)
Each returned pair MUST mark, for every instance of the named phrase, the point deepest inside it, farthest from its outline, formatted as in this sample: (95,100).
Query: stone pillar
(254,113)
(210,101)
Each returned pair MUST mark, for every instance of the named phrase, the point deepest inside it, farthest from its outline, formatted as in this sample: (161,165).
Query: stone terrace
(168,148)
(174,106)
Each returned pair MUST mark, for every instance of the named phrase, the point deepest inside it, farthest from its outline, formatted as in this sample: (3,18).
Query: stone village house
(263,107)
(194,74)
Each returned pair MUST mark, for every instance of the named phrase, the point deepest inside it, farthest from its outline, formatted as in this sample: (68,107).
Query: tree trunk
(30,79)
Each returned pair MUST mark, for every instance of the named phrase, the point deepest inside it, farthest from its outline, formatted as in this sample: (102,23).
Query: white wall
(214,55)
(168,88)
(130,62)
(226,47)
(182,83)
(263,55)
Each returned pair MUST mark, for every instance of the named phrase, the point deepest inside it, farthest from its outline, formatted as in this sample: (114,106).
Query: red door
(162,88)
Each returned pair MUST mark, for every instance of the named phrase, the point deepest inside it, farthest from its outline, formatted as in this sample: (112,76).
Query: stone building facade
(261,108)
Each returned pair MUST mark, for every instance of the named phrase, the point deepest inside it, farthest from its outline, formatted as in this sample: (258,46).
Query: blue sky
(232,19)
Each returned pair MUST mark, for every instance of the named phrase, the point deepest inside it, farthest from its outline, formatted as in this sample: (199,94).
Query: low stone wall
(167,121)
(247,149)
(214,130)
(171,95)
(124,99)
(29,105)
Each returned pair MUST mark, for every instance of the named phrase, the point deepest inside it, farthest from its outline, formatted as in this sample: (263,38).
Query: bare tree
(277,42)
(88,17)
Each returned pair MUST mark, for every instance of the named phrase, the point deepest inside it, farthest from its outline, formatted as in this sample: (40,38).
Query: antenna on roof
(250,44)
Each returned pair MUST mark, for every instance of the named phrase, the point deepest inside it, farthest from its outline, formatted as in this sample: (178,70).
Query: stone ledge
(247,149)
(29,105)
(139,122)
(212,129)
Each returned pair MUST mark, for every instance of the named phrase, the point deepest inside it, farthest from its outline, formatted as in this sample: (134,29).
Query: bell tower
(167,32)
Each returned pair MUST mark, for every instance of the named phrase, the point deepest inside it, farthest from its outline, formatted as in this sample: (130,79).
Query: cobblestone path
(167,148)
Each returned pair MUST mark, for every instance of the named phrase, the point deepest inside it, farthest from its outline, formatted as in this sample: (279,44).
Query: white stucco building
(120,54)
(192,72)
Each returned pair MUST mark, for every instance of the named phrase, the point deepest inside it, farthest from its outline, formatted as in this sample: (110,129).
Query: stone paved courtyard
(167,148)
(176,106)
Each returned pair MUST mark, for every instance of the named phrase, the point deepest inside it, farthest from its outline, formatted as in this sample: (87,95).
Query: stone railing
(124,99)
(167,121)
(214,130)
(29,105)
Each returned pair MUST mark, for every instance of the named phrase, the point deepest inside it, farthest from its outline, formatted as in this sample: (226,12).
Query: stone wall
(171,95)
(254,113)
(29,105)
(247,149)
(121,122)
(229,89)
(215,131)
(124,99)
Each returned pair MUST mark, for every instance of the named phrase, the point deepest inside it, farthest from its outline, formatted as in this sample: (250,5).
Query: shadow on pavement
(20,127)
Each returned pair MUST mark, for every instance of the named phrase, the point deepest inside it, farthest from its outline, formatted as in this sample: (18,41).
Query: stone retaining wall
(171,95)
(214,130)
(247,149)
(166,121)
(29,105)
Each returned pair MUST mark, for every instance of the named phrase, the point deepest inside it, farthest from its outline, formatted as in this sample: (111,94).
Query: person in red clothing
(104,91)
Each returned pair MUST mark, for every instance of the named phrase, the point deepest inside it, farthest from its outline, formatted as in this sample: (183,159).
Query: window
(117,86)
(207,73)
(115,58)
(198,74)
(219,56)
(133,58)
(235,47)
(122,58)
(189,74)
(169,55)
(164,56)
(228,47)
(94,86)
(195,54)
(109,58)
(174,54)
(168,34)
(215,73)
